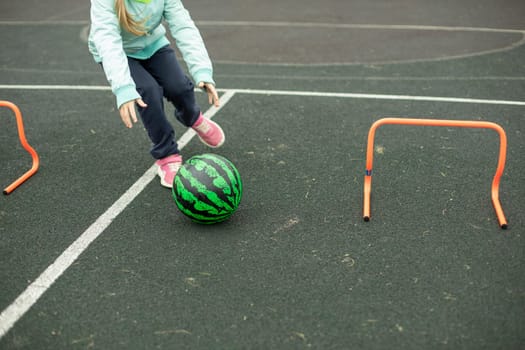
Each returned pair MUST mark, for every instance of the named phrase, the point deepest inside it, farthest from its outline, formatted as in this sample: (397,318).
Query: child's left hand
(213,97)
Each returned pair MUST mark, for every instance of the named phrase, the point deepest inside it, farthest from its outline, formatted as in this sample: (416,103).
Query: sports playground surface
(95,255)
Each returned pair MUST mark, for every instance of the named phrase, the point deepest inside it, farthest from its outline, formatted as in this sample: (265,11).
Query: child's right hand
(128,113)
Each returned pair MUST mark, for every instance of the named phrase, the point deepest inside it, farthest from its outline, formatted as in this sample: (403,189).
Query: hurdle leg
(437,122)
(25,145)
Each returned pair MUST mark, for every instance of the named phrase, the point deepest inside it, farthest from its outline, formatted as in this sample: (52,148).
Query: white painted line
(368,77)
(378,96)
(45,23)
(291,25)
(35,290)
(354,26)
(296,93)
(56,87)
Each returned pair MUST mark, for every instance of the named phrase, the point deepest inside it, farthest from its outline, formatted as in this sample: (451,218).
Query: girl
(128,39)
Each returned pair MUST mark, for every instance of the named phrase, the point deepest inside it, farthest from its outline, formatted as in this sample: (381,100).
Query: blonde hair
(126,21)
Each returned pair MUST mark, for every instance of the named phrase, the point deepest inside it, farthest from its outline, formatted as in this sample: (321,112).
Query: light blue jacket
(109,44)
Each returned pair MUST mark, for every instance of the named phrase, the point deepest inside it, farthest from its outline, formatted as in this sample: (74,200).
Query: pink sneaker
(209,132)
(167,169)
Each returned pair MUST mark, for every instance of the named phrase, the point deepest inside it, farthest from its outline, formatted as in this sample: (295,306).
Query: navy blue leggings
(158,77)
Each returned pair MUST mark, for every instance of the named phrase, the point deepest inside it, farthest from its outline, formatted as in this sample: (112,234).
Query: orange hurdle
(434,122)
(25,144)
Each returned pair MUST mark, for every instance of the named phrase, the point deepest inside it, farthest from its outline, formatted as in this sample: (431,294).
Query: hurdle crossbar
(438,122)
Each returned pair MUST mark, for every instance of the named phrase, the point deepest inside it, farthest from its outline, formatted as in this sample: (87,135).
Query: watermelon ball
(207,188)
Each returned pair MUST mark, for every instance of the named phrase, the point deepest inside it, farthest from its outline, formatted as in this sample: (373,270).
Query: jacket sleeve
(189,41)
(106,39)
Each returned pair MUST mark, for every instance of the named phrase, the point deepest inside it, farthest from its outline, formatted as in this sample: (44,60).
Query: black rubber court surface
(95,255)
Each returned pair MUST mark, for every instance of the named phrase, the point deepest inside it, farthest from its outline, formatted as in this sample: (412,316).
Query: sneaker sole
(163,183)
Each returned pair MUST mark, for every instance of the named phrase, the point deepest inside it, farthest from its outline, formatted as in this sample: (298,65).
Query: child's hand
(128,113)
(213,97)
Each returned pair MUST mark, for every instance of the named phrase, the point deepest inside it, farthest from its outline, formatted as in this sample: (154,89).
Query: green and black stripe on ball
(207,188)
